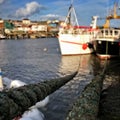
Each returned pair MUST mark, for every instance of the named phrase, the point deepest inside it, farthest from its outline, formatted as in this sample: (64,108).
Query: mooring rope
(87,105)
(13,102)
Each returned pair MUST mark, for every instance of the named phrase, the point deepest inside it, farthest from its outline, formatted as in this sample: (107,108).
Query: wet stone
(110,102)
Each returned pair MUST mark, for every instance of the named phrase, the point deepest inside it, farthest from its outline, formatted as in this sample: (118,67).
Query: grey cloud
(1,1)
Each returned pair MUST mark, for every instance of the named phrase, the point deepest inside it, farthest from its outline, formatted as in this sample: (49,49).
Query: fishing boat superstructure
(107,43)
(75,39)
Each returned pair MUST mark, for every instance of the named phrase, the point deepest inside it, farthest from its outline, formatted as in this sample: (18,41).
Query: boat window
(116,32)
(102,31)
(111,32)
(106,32)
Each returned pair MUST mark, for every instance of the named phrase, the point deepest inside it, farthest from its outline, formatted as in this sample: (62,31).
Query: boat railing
(109,33)
(76,31)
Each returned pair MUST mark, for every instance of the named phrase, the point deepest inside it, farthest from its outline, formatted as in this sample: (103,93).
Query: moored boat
(107,43)
(75,39)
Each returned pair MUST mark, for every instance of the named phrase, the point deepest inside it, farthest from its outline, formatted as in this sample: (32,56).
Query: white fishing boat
(107,43)
(75,39)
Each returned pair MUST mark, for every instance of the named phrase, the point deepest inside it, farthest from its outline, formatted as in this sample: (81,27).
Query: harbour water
(32,61)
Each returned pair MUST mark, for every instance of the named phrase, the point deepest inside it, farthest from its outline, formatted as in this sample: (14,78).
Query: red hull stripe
(72,42)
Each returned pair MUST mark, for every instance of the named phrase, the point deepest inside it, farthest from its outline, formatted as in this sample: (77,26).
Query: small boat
(2,36)
(75,39)
(107,43)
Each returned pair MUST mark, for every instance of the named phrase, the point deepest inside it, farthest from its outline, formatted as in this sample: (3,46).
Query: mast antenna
(71,2)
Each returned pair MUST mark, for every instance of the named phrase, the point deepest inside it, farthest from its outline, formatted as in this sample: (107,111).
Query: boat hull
(71,44)
(107,49)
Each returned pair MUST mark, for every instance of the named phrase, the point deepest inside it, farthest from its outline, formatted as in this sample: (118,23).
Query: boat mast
(70,9)
(71,12)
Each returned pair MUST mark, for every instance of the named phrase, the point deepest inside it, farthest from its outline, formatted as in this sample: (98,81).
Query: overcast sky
(53,9)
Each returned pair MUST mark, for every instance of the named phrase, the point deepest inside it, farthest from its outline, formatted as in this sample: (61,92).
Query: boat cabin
(109,33)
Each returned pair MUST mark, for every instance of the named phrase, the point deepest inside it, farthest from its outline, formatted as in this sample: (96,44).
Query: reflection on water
(28,60)
(69,64)
(34,60)
(89,64)
(112,71)
(63,99)
(72,63)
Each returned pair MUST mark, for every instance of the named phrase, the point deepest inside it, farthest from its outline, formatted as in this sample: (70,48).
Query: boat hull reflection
(73,63)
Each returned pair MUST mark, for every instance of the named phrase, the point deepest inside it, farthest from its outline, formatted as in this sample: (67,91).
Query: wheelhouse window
(111,32)
(106,32)
(116,32)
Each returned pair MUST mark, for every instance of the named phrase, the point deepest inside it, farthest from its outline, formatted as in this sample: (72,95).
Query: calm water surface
(30,60)
(37,60)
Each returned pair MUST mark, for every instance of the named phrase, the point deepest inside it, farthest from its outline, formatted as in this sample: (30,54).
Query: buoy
(1,82)
(45,49)
(84,46)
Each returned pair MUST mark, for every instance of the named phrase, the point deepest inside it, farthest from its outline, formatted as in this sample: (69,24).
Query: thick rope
(14,102)
(87,105)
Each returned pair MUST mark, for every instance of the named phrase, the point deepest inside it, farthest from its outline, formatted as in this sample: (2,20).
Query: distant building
(18,23)
(53,26)
(40,26)
(25,26)
(1,20)
(8,25)
(26,21)
(1,27)
(1,24)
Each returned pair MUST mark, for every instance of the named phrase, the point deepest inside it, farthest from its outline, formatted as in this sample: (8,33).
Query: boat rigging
(114,15)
